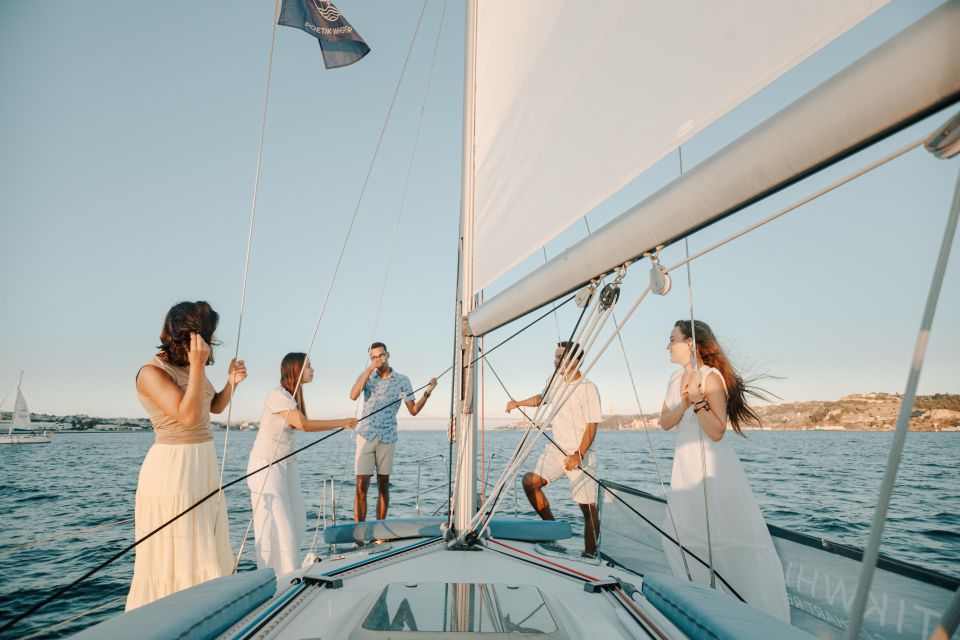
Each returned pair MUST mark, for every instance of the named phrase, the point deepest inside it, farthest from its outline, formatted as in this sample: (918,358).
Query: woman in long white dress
(181,466)
(280,517)
(701,401)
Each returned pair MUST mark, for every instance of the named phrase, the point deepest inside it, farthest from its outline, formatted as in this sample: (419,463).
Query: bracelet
(698,406)
(426,394)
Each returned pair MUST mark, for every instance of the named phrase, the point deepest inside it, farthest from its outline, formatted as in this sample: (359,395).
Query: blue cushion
(530,530)
(396,528)
(703,613)
(391,529)
(202,611)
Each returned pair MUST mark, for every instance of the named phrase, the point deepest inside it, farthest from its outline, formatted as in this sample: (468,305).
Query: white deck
(319,612)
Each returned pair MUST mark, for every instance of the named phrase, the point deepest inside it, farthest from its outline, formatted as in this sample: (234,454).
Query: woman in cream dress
(280,518)
(181,465)
(701,400)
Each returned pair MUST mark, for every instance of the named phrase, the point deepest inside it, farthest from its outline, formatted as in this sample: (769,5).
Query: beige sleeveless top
(167,429)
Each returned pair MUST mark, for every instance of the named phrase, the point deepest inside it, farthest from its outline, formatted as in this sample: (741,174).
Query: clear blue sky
(129,139)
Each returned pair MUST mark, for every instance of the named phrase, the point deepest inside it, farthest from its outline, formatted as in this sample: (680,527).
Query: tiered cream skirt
(174,477)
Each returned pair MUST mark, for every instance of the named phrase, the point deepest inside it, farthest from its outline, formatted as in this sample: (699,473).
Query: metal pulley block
(660,282)
(609,295)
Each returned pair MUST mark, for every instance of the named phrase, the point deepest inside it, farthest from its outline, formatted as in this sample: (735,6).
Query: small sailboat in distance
(21,420)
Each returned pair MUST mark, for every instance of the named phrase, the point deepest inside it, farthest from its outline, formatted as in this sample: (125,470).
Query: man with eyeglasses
(574,429)
(383,392)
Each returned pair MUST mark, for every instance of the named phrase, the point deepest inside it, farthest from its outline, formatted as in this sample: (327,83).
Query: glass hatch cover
(513,610)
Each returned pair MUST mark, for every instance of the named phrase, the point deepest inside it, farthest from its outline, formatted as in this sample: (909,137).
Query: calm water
(813,482)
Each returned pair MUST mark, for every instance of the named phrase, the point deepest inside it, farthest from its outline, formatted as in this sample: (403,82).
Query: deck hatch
(418,610)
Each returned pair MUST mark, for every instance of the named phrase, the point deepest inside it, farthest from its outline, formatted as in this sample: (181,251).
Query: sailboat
(474,574)
(21,421)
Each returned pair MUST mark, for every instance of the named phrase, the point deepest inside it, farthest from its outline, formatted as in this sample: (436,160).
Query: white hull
(26,439)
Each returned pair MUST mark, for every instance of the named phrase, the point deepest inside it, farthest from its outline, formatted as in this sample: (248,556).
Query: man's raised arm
(532,401)
(361,380)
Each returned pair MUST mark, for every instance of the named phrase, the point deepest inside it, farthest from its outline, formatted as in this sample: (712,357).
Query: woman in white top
(280,517)
(701,400)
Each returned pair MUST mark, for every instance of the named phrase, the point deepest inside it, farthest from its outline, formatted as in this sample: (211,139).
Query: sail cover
(21,414)
(574,100)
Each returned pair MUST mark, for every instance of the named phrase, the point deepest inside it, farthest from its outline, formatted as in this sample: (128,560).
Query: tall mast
(464,503)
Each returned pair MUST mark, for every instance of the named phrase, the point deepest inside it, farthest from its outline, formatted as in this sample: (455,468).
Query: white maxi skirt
(173,478)
(280,516)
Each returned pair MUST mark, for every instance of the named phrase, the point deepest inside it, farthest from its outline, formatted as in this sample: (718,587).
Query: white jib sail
(575,99)
(21,413)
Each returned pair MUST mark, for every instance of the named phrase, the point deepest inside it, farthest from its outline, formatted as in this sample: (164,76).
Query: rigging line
(451,433)
(653,453)
(552,304)
(336,271)
(60,536)
(556,404)
(643,417)
(524,447)
(696,367)
(246,258)
(703,455)
(574,336)
(524,328)
(483,421)
(34,608)
(825,190)
(7,395)
(629,507)
(872,551)
(406,181)
(396,228)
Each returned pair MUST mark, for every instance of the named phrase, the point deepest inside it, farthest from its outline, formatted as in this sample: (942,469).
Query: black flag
(340,43)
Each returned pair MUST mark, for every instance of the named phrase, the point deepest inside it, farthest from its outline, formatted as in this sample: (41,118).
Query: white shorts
(550,467)
(373,455)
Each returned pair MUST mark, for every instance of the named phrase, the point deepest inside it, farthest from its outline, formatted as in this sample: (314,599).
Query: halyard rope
(246,259)
(333,279)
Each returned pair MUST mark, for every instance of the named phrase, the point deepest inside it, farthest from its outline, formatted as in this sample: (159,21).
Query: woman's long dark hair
(183,319)
(710,354)
(290,368)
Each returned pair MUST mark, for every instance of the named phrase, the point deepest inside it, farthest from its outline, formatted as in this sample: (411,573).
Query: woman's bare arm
(713,421)
(186,407)
(298,421)
(669,418)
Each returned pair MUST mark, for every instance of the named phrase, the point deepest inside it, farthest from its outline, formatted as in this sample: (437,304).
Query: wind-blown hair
(183,319)
(290,369)
(711,355)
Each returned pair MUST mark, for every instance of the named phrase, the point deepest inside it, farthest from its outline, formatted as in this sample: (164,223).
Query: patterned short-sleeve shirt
(379,392)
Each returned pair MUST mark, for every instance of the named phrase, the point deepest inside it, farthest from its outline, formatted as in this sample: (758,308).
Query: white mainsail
(21,413)
(575,100)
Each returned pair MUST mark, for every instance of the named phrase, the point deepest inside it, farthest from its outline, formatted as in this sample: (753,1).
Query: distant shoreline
(859,412)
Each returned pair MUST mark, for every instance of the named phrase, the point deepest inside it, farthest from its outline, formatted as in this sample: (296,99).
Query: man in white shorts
(383,391)
(574,429)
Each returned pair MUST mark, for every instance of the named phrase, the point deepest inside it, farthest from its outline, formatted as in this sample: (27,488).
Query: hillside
(860,412)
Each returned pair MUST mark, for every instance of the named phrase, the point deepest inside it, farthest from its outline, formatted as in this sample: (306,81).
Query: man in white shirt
(574,429)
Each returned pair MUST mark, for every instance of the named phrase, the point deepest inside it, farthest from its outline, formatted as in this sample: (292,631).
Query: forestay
(574,100)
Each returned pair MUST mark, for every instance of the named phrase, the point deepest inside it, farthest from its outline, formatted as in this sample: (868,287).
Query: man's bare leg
(591,528)
(383,496)
(533,486)
(360,499)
